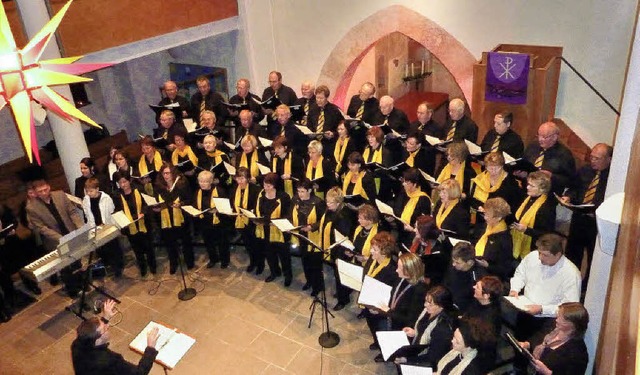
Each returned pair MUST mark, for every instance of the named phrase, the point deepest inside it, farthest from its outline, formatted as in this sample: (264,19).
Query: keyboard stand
(86,282)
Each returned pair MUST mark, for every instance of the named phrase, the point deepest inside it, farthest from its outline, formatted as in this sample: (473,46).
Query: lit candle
(422,70)
(412,74)
(406,70)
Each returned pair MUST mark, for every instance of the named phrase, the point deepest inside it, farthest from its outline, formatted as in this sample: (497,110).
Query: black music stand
(186,293)
(86,282)
(328,338)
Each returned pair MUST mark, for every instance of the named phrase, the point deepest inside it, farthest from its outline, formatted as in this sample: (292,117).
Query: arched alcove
(337,72)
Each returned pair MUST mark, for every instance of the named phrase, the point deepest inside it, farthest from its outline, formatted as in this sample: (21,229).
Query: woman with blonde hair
(320,170)
(250,157)
(458,167)
(450,214)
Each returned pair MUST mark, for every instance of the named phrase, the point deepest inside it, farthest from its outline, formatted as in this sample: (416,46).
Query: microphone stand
(328,338)
(186,293)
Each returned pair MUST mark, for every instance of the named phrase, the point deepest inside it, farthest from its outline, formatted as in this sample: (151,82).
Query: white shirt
(548,286)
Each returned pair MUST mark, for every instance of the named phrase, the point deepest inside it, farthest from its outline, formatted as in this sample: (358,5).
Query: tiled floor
(242,325)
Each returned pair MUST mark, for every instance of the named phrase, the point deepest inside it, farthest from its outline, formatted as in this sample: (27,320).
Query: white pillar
(67,135)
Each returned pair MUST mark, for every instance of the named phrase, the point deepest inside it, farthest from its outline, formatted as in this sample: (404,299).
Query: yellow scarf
(339,151)
(165,218)
(214,194)
(253,169)
(157,164)
(311,219)
(132,227)
(376,158)
(482,242)
(375,267)
(275,235)
(216,155)
(411,158)
(446,174)
(319,173)
(483,185)
(241,221)
(443,213)
(325,234)
(410,206)
(521,241)
(357,189)
(366,248)
(288,184)
(177,155)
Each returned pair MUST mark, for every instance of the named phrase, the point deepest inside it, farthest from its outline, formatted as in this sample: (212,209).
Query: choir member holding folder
(287,165)
(273,204)
(339,218)
(470,341)
(367,229)
(306,213)
(212,225)
(432,332)
(320,170)
(494,248)
(409,204)
(211,159)
(381,267)
(244,195)
(184,158)
(358,182)
(375,154)
(131,203)
(407,295)
(451,215)
(458,167)
(343,148)
(433,247)
(172,188)
(250,157)
(149,164)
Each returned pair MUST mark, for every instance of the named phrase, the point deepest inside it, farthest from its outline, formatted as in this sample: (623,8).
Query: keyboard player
(53,215)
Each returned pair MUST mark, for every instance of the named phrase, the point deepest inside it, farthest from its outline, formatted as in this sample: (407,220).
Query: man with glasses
(285,94)
(171,97)
(362,106)
(207,100)
(246,98)
(502,137)
(551,156)
(587,188)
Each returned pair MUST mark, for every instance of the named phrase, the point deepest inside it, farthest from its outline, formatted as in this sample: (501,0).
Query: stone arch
(344,59)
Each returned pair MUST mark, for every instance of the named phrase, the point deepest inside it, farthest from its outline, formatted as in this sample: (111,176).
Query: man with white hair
(247,99)
(460,126)
(171,97)
(285,94)
(362,106)
(307,100)
(396,120)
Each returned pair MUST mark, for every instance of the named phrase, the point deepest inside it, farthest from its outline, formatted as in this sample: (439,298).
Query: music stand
(186,293)
(328,338)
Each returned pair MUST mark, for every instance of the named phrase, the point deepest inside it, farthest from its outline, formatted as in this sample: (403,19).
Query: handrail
(590,86)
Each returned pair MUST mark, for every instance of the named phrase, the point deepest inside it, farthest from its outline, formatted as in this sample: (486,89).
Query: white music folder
(350,274)
(374,293)
(172,344)
(390,341)
(415,370)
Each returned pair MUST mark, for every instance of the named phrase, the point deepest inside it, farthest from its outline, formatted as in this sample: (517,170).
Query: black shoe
(153,270)
(172,270)
(287,282)
(34,289)
(361,315)
(250,268)
(270,278)
(314,293)
(211,264)
(374,346)
(224,266)
(143,273)
(306,286)
(259,271)
(190,266)
(5,316)
(378,358)
(339,306)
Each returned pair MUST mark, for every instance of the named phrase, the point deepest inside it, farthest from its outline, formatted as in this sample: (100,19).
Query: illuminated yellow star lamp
(24,78)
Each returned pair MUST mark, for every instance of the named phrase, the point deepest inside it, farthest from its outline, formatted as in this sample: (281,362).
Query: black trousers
(143,249)
(256,256)
(312,266)
(342,291)
(278,258)
(112,255)
(216,240)
(172,237)
(582,235)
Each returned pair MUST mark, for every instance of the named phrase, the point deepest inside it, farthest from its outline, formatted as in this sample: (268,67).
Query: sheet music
(230,168)
(74,199)
(433,141)
(427,177)
(390,341)
(223,205)
(284,225)
(172,345)
(263,168)
(248,214)
(415,370)
(265,142)
(508,159)
(149,200)
(455,241)
(194,211)
(342,240)
(474,149)
(350,274)
(121,219)
(189,124)
(230,145)
(374,293)
(385,209)
(520,302)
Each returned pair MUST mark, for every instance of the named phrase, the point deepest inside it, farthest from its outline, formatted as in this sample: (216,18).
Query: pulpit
(542,90)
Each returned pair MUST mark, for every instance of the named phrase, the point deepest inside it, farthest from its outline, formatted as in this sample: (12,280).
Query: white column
(67,135)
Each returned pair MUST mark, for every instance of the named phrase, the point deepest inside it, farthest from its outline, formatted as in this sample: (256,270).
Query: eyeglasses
(546,136)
